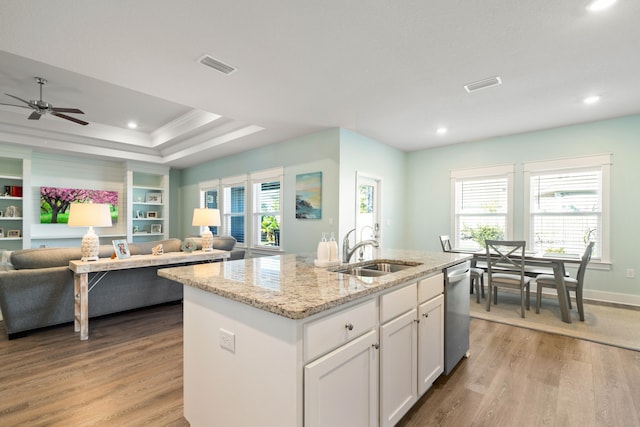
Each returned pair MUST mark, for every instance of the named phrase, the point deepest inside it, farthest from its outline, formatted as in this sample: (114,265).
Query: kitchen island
(278,341)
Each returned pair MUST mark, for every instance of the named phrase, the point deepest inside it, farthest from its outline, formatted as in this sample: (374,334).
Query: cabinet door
(398,367)
(341,388)
(430,342)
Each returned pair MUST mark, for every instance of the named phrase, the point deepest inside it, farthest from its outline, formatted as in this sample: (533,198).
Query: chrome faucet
(348,252)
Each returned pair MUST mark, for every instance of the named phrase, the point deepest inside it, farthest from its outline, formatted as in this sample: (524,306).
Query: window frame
(477,174)
(204,187)
(600,162)
(258,178)
(225,217)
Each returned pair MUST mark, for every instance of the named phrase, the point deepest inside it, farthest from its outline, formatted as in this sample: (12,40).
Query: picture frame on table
(153,198)
(152,214)
(156,228)
(122,249)
(13,233)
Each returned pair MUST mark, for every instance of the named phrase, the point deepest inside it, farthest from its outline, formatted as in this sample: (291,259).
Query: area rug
(615,326)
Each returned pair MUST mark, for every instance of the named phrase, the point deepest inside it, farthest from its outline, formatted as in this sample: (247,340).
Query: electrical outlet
(631,273)
(228,340)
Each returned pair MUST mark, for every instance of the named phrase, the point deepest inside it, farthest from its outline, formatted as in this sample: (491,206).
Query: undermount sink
(377,268)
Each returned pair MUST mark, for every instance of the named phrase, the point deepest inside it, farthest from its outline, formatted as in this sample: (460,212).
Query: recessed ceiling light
(589,100)
(132,125)
(441,130)
(598,5)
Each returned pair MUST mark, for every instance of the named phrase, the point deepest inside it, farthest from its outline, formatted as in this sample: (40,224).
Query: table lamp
(89,215)
(205,217)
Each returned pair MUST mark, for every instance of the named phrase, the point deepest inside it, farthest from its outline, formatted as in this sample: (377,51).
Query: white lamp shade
(89,215)
(205,217)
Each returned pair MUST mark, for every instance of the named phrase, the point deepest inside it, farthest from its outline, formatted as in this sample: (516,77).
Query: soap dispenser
(323,249)
(333,248)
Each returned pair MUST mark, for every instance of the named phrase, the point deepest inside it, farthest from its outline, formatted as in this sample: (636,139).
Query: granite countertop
(292,286)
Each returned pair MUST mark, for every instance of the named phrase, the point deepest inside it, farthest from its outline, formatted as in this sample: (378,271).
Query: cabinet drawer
(397,302)
(430,287)
(330,332)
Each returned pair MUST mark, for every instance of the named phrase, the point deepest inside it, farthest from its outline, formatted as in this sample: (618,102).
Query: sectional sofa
(37,290)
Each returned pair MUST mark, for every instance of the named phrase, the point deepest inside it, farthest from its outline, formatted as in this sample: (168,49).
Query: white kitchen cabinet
(398,367)
(430,342)
(341,388)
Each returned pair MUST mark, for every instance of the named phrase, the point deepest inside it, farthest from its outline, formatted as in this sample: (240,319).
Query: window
(209,198)
(568,205)
(266,194)
(482,205)
(233,207)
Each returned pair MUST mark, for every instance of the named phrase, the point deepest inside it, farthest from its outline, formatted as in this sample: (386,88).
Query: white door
(368,210)
(341,388)
(398,367)
(430,342)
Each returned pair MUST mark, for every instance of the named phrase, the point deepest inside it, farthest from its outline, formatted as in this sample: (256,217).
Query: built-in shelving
(11,203)
(148,203)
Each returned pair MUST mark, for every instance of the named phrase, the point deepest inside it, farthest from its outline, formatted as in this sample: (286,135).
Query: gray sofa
(37,291)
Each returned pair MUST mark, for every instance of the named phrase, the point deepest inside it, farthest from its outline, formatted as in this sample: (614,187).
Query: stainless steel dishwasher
(456,314)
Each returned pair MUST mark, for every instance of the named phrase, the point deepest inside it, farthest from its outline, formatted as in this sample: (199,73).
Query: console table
(81,270)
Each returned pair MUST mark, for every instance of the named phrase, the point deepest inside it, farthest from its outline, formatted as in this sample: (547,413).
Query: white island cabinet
(308,347)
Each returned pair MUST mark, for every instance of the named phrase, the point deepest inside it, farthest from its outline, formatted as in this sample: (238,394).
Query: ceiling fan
(41,107)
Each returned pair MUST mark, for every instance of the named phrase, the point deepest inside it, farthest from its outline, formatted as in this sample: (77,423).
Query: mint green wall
(359,154)
(429,206)
(318,152)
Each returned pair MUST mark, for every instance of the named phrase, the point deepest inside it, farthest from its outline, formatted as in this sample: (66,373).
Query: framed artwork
(156,228)
(154,198)
(121,248)
(55,201)
(13,233)
(309,195)
(152,214)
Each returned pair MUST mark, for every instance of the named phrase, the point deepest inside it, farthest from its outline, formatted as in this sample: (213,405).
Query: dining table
(538,263)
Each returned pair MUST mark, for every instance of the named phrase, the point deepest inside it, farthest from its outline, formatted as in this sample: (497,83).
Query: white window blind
(567,205)
(482,205)
(566,211)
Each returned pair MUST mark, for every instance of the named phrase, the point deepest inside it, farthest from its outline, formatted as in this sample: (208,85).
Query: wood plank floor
(129,373)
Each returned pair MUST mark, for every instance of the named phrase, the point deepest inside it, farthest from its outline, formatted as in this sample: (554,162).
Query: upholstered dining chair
(477,274)
(505,268)
(571,284)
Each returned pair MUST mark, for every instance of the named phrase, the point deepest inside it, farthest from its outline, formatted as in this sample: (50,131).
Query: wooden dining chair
(505,268)
(571,284)
(477,274)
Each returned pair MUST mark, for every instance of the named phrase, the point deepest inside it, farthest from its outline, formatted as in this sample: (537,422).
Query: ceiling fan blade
(15,105)
(19,99)
(73,119)
(66,110)
(35,116)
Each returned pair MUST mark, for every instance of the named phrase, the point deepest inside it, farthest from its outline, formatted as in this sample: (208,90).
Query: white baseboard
(610,297)
(602,297)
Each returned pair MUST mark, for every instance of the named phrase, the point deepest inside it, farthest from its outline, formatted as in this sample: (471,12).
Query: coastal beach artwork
(309,195)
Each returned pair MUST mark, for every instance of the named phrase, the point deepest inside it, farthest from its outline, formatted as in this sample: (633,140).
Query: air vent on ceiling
(483,84)
(210,61)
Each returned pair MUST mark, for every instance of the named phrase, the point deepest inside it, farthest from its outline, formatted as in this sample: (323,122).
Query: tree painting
(55,202)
